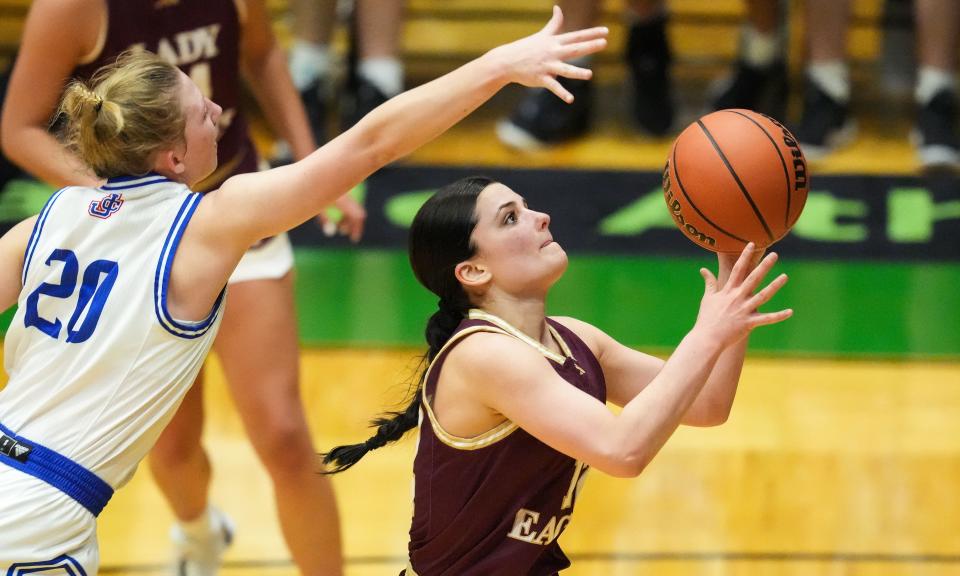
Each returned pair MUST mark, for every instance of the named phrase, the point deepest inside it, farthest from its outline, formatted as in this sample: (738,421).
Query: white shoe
(201,556)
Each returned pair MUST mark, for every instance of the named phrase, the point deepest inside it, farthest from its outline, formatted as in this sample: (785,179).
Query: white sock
(385,73)
(759,50)
(930,81)
(309,62)
(199,527)
(833,77)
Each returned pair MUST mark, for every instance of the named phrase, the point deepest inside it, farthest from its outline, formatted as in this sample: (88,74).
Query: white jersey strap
(176,327)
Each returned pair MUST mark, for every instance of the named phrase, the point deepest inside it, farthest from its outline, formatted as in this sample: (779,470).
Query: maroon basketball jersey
(496,503)
(202,37)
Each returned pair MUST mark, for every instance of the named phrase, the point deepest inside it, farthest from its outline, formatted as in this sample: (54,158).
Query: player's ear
(169,162)
(472,274)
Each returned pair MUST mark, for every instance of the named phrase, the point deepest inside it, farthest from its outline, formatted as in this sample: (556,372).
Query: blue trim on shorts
(58,565)
(88,489)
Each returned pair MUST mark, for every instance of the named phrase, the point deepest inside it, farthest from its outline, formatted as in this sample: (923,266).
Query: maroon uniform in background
(495,504)
(202,38)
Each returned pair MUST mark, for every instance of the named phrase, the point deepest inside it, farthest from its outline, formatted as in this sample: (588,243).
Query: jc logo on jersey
(106,206)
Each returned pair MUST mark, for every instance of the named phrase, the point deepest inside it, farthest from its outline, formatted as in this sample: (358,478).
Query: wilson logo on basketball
(676,210)
(106,206)
(799,162)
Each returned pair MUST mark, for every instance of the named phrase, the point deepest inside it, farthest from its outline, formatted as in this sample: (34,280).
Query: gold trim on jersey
(505,428)
(483,440)
(476,314)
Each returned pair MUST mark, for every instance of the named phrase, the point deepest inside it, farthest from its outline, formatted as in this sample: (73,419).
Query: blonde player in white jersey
(120,287)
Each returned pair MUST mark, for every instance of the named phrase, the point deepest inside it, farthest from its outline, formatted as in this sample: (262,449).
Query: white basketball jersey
(97,365)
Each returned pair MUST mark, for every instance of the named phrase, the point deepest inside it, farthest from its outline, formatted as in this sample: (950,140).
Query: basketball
(735,176)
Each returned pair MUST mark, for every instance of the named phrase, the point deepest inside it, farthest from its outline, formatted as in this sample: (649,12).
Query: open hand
(537,60)
(729,312)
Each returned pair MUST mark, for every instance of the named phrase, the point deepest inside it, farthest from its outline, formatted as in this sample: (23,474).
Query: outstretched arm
(253,206)
(532,395)
(628,371)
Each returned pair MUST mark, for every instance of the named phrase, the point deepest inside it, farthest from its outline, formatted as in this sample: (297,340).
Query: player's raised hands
(537,60)
(729,313)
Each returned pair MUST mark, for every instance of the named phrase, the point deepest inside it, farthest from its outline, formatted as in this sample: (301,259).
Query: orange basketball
(735,176)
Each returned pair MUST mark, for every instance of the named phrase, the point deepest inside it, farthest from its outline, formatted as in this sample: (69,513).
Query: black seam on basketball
(786,173)
(676,171)
(733,173)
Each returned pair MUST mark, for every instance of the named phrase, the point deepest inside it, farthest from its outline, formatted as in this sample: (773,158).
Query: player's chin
(559,261)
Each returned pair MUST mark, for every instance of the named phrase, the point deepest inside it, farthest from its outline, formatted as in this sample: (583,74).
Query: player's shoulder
(594,337)
(488,351)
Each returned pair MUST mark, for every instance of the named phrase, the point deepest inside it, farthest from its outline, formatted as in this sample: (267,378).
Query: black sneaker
(315,105)
(935,135)
(648,60)
(825,124)
(360,102)
(761,89)
(542,119)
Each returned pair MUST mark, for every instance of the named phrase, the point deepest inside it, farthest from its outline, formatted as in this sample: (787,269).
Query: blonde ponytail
(129,110)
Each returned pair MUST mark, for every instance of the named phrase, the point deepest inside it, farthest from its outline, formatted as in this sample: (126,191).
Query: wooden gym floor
(825,467)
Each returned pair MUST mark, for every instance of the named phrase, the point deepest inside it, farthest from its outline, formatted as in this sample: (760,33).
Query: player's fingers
(709,280)
(556,21)
(585,35)
(329,228)
(571,71)
(741,266)
(356,231)
(551,84)
(756,276)
(764,296)
(770,318)
(580,49)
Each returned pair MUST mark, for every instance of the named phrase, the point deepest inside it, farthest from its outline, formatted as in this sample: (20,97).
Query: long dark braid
(439,240)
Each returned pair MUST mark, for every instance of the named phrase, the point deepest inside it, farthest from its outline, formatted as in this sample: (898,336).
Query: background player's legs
(579,14)
(259,351)
(825,123)
(379,29)
(758,81)
(311,59)
(937,28)
(542,119)
(181,469)
(648,60)
(179,463)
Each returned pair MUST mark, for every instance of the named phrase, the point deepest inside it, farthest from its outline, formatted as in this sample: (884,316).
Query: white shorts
(43,530)
(270,260)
